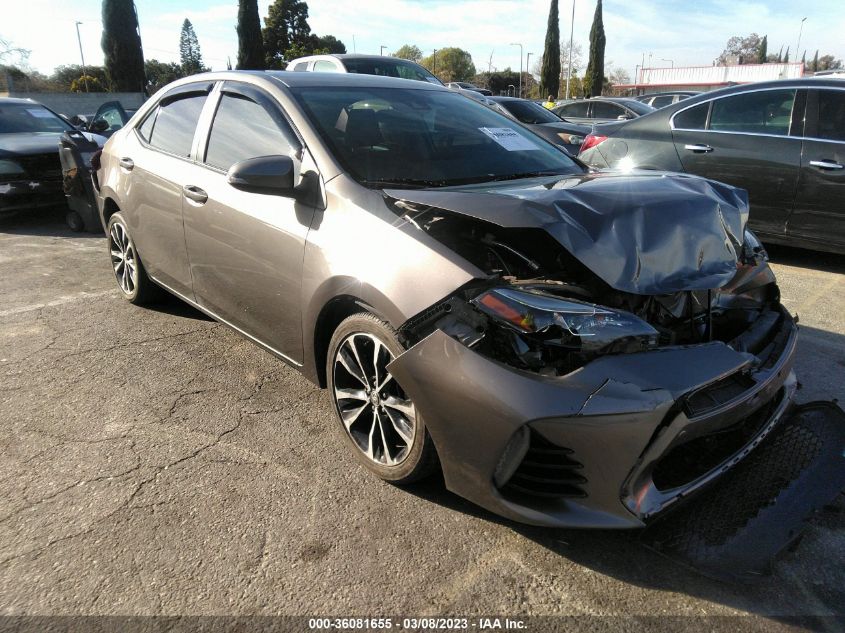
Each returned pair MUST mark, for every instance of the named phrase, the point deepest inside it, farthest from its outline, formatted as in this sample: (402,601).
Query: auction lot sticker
(508,138)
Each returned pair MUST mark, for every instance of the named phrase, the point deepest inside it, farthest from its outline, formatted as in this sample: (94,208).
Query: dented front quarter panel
(607,412)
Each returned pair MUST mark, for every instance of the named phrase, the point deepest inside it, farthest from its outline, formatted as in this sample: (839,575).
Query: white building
(708,77)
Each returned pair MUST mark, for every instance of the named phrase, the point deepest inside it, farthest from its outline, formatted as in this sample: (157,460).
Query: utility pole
(800,32)
(84,73)
(381,50)
(571,35)
(490,62)
(528,63)
(520,67)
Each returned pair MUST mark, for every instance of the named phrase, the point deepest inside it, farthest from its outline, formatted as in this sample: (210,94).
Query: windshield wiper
(491,178)
(407,183)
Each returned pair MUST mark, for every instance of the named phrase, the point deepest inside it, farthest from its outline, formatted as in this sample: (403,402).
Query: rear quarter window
(694,118)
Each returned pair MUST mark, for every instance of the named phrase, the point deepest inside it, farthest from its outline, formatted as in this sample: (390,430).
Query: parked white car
(363,65)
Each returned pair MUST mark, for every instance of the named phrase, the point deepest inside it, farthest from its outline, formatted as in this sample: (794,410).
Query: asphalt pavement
(153,462)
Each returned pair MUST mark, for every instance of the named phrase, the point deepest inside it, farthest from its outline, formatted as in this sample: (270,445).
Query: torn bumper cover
(609,445)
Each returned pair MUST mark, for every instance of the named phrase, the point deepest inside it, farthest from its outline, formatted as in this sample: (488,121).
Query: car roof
(18,100)
(293,79)
(350,56)
(509,99)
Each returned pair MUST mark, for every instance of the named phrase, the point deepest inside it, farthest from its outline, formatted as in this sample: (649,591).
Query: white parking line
(57,302)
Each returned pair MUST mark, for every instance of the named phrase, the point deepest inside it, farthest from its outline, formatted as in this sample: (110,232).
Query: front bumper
(609,445)
(24,195)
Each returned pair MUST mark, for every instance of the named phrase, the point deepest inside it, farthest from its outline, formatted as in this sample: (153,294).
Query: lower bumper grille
(689,461)
(547,471)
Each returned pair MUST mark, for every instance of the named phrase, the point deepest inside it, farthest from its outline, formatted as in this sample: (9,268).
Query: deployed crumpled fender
(645,233)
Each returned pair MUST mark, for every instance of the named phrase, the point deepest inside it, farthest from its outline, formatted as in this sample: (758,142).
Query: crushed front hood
(645,233)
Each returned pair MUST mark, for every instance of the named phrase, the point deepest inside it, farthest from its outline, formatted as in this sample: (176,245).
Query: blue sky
(686,32)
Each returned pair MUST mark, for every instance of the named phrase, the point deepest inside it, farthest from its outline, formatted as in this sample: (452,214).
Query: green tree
(786,57)
(250,44)
(744,50)
(497,82)
(159,74)
(189,50)
(450,64)
(763,50)
(121,44)
(815,65)
(594,77)
(330,44)
(409,51)
(286,26)
(86,83)
(63,77)
(550,67)
(829,62)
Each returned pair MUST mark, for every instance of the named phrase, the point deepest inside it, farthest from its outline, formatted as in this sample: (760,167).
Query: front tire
(380,422)
(132,280)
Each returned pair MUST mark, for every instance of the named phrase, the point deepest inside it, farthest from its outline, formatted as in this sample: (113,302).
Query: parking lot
(154,462)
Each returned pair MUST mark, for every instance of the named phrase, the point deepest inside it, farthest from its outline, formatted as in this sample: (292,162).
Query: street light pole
(671,61)
(381,50)
(800,32)
(84,73)
(528,63)
(520,66)
(571,34)
(434,58)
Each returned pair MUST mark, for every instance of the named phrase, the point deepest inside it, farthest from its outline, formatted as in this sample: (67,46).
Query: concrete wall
(71,103)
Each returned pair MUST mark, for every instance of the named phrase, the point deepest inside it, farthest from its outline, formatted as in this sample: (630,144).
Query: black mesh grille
(548,471)
(42,166)
(689,461)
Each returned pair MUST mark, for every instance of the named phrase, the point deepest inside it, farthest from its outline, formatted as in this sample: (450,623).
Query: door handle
(127,163)
(826,164)
(699,149)
(195,193)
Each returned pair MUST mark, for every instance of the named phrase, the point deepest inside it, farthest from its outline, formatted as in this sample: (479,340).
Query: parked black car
(783,141)
(662,99)
(602,109)
(463,85)
(543,122)
(30,173)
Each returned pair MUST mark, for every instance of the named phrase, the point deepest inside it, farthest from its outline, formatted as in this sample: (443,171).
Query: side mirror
(269,174)
(624,117)
(99,126)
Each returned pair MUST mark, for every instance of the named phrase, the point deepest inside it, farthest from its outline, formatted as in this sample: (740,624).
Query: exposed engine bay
(542,310)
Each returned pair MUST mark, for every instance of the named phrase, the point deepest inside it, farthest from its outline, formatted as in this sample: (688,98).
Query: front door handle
(195,193)
(826,164)
(127,163)
(699,149)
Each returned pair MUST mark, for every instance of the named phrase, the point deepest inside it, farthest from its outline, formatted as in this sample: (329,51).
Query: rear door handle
(127,163)
(699,149)
(826,164)
(195,193)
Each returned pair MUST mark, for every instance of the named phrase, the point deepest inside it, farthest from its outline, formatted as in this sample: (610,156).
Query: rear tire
(132,280)
(74,221)
(382,426)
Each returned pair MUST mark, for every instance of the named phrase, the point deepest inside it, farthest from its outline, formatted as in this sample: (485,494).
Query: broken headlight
(573,325)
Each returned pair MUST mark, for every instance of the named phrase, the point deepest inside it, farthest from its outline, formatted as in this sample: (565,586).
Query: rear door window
(243,129)
(323,66)
(831,124)
(578,109)
(763,112)
(176,123)
(607,110)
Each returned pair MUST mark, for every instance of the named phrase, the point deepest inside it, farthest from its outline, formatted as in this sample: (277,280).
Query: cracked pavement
(153,462)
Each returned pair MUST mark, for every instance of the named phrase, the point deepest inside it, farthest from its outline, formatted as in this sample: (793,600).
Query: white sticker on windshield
(40,113)
(510,139)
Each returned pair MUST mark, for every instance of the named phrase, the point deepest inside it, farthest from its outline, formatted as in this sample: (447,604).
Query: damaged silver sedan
(570,348)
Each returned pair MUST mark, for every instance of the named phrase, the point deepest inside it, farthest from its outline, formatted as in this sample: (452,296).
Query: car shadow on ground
(803,258)
(42,222)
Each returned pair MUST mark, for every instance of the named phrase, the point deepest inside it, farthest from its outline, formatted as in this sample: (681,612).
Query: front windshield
(405,137)
(389,67)
(30,118)
(529,112)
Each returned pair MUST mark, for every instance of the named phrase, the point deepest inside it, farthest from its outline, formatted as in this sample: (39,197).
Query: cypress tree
(594,77)
(189,49)
(815,65)
(121,44)
(250,43)
(550,70)
(786,57)
(763,51)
